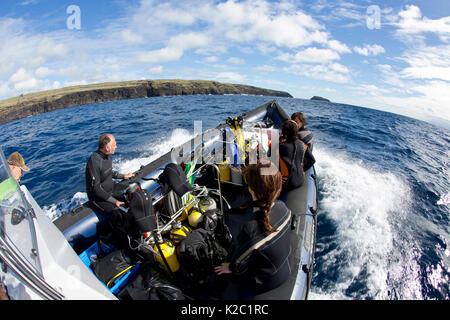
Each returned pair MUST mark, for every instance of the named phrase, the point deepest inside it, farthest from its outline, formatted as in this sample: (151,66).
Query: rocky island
(39,102)
(320,99)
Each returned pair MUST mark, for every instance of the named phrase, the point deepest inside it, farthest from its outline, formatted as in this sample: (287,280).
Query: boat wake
(444,200)
(362,213)
(54,211)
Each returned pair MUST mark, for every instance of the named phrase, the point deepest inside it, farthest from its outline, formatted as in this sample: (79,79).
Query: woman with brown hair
(261,260)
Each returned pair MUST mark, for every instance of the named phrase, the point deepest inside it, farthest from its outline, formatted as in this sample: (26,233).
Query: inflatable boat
(64,259)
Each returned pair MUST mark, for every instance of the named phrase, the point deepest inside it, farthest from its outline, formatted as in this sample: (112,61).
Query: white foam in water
(154,150)
(365,206)
(150,152)
(444,200)
(54,211)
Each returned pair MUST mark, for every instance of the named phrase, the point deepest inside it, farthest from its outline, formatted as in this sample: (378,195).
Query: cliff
(44,101)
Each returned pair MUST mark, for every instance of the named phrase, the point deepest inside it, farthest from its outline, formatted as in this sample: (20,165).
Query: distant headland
(39,102)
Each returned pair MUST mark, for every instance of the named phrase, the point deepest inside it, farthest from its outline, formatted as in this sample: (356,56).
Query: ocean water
(384,187)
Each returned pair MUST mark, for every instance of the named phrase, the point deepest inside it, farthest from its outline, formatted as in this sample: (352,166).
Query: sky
(387,55)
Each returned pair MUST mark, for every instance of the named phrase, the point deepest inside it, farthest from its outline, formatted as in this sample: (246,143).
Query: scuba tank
(185,212)
(207,203)
(194,218)
(208,207)
(179,232)
(197,214)
(167,249)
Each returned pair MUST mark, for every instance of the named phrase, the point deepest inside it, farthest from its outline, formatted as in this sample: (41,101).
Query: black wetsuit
(270,265)
(100,187)
(296,178)
(306,136)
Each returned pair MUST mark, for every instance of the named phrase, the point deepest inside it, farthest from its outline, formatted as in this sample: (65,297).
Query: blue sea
(384,187)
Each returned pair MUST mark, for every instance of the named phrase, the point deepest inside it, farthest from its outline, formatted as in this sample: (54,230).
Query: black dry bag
(112,266)
(148,286)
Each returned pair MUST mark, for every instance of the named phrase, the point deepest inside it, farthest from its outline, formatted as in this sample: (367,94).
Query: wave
(361,213)
(54,211)
(444,200)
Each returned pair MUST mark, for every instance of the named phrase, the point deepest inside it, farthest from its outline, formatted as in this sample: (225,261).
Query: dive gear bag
(198,254)
(147,286)
(112,266)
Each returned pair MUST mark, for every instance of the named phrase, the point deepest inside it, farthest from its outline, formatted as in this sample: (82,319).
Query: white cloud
(23,81)
(412,22)
(161,55)
(230,77)
(350,13)
(49,48)
(338,46)
(369,50)
(20,75)
(427,63)
(421,88)
(311,55)
(131,37)
(427,101)
(338,68)
(391,77)
(211,59)
(278,23)
(175,48)
(347,14)
(42,72)
(27,85)
(267,68)
(333,72)
(28,2)
(155,70)
(236,60)
(170,15)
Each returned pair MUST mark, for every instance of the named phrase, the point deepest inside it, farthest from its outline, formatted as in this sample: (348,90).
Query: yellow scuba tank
(207,203)
(185,213)
(168,250)
(194,218)
(178,233)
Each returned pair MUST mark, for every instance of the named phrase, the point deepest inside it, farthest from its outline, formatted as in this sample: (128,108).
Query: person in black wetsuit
(292,152)
(102,192)
(261,260)
(304,134)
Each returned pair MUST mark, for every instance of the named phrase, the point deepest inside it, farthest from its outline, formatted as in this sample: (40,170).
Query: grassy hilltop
(44,101)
